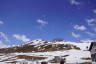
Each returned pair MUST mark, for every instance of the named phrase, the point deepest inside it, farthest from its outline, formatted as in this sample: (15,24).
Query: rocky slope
(39,46)
(37,51)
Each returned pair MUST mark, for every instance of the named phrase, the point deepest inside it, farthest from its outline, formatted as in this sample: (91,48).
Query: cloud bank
(21,37)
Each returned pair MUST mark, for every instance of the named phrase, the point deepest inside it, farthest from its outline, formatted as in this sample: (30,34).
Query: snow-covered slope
(67,52)
(82,46)
(38,42)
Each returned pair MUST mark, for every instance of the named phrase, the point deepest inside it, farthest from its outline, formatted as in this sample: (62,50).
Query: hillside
(37,51)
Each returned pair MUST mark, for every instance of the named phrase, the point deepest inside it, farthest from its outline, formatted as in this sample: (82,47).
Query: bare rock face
(44,62)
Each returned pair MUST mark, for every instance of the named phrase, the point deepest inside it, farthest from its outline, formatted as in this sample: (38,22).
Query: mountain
(39,46)
(40,50)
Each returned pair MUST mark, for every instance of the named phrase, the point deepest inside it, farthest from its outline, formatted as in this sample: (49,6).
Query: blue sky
(25,20)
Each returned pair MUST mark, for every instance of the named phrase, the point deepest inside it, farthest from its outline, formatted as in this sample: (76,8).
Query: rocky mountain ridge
(39,46)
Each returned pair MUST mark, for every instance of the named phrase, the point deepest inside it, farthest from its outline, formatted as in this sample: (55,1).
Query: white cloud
(4,37)
(82,27)
(74,2)
(90,33)
(2,45)
(42,22)
(21,37)
(94,11)
(76,35)
(91,22)
(87,41)
(1,22)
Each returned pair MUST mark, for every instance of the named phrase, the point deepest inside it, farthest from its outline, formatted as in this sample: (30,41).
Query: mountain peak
(37,42)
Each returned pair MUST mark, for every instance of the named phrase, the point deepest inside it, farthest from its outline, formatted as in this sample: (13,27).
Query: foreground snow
(74,56)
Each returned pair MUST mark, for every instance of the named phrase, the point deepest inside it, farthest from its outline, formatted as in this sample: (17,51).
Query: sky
(26,20)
